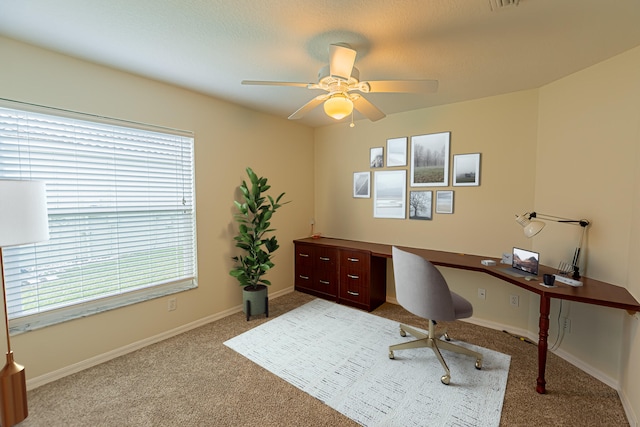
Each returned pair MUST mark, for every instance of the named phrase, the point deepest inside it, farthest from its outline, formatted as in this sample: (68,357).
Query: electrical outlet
(566,324)
(482,294)
(172,304)
(514,300)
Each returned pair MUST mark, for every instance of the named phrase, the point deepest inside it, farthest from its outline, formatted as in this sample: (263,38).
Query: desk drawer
(304,277)
(354,276)
(316,270)
(305,255)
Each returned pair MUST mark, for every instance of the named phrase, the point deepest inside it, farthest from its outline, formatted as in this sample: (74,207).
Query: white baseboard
(105,357)
(628,410)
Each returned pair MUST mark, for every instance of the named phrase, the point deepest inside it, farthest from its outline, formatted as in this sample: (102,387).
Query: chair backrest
(420,287)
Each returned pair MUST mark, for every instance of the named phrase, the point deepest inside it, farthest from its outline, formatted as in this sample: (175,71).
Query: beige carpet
(339,355)
(194,380)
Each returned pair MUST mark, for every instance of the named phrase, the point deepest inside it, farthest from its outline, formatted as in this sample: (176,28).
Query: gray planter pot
(255,301)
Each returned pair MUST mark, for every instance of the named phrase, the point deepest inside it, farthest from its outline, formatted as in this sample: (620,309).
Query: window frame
(127,297)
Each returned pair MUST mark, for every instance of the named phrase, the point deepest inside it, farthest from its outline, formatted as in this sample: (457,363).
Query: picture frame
(444,201)
(376,157)
(397,152)
(421,205)
(389,195)
(466,169)
(430,160)
(362,185)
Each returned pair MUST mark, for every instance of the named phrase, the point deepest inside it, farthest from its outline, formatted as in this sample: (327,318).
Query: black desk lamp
(531,228)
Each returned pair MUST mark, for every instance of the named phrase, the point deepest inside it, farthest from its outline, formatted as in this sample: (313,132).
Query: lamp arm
(580,222)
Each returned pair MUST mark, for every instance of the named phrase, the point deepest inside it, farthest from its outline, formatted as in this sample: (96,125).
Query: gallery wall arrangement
(427,167)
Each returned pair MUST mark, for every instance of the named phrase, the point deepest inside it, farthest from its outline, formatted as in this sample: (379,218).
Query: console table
(327,260)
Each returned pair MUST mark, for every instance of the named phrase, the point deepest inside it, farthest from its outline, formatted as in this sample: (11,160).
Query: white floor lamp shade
(23,213)
(23,220)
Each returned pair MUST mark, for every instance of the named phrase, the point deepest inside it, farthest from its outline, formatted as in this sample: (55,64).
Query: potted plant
(255,211)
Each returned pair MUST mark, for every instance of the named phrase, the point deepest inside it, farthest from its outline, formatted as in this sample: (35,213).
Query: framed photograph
(389,195)
(376,158)
(444,202)
(362,185)
(397,152)
(430,160)
(420,204)
(466,169)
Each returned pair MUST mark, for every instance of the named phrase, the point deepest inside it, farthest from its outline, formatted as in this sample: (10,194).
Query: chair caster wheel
(403,333)
(478,364)
(447,337)
(445,379)
(391,356)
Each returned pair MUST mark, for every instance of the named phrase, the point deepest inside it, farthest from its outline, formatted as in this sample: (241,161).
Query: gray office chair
(421,290)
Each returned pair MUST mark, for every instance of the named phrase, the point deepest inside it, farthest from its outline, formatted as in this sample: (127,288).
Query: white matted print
(466,169)
(362,185)
(397,152)
(430,160)
(389,195)
(376,158)
(420,204)
(444,202)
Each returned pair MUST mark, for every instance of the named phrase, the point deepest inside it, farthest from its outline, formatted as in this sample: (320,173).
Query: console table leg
(545,305)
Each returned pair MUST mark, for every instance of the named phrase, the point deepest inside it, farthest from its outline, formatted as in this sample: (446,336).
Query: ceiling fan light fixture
(338,106)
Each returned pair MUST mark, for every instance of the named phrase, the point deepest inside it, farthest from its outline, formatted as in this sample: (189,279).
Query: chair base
(433,341)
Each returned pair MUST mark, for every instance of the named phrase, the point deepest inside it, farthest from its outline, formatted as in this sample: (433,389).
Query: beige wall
(589,166)
(569,149)
(503,129)
(228,138)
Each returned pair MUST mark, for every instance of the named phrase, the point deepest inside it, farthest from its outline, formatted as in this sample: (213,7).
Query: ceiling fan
(340,79)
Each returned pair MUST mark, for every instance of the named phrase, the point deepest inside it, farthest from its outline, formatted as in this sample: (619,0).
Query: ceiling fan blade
(308,106)
(369,110)
(341,60)
(408,86)
(267,83)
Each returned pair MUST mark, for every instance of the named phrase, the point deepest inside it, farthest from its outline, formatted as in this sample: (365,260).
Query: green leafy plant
(255,211)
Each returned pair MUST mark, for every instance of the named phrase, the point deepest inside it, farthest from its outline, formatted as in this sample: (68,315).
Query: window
(121,214)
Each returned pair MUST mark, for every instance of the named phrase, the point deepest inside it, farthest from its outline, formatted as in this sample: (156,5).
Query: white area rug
(340,356)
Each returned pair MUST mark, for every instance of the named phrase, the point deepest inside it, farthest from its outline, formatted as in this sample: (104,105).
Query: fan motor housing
(324,76)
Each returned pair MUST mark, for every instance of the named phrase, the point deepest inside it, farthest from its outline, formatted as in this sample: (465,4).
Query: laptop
(523,263)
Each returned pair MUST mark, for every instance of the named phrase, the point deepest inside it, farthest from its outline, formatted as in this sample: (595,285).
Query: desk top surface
(591,292)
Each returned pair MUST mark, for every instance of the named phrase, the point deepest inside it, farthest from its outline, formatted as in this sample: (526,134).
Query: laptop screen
(526,261)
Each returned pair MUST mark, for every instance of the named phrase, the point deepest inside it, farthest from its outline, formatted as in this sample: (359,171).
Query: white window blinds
(121,215)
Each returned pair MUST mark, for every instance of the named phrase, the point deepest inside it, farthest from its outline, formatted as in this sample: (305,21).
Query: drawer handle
(352,276)
(304,255)
(304,277)
(324,282)
(324,258)
(355,294)
(353,259)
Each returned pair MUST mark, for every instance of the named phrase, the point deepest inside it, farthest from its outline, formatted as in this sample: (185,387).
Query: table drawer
(304,277)
(305,254)
(354,276)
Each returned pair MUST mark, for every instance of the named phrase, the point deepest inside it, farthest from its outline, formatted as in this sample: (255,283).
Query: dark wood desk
(591,292)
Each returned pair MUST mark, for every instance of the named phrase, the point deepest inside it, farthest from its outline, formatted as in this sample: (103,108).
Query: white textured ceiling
(473,49)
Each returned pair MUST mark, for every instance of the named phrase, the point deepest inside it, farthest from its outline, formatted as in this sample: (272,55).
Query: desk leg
(545,305)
